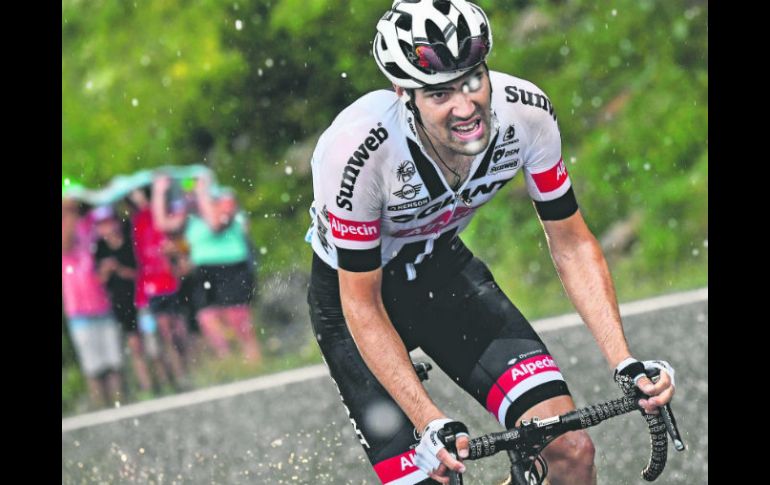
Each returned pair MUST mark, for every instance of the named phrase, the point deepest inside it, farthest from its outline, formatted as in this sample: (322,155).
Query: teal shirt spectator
(207,247)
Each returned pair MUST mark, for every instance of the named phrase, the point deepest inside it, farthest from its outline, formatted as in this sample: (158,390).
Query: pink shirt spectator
(82,292)
(154,276)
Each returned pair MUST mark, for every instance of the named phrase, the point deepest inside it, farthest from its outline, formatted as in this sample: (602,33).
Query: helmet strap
(412,106)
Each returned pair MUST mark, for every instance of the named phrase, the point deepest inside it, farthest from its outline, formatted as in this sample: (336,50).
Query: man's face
(457,115)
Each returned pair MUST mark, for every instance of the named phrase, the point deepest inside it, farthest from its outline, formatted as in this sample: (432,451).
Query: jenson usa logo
(409,205)
(353,230)
(350,173)
(530,99)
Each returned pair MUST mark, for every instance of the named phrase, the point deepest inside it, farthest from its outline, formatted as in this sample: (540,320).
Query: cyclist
(397,176)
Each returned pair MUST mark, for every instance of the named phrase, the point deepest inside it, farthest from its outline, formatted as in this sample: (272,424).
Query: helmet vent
(434,32)
(404,21)
(442,6)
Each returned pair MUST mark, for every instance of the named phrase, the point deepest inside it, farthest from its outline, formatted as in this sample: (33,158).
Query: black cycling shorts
(461,319)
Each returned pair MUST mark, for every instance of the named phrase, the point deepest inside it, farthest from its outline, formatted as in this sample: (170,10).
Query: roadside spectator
(116,265)
(157,286)
(178,252)
(223,277)
(92,327)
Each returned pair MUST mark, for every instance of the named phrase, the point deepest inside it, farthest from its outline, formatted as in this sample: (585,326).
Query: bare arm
(105,268)
(381,346)
(586,278)
(161,219)
(579,260)
(126,272)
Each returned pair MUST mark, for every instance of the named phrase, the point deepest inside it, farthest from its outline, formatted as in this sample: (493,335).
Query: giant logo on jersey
(350,172)
(437,224)
(448,217)
(527,98)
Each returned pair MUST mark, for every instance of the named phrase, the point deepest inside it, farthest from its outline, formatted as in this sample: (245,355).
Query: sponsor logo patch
(354,230)
(509,138)
(498,155)
(501,153)
(510,133)
(358,159)
(467,195)
(408,191)
(505,166)
(321,229)
(409,205)
(533,366)
(405,171)
(552,178)
(537,100)
(520,378)
(411,125)
(398,467)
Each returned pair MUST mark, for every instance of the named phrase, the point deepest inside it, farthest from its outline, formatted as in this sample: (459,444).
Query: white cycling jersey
(376,190)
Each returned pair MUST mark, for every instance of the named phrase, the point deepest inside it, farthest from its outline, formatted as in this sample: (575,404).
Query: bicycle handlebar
(533,435)
(537,432)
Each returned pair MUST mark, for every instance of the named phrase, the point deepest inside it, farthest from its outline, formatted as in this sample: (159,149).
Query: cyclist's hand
(431,455)
(660,392)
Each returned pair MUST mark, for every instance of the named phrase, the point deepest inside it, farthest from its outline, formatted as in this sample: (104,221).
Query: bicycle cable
(537,475)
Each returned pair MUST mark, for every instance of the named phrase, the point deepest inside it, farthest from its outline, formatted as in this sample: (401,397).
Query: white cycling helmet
(426,42)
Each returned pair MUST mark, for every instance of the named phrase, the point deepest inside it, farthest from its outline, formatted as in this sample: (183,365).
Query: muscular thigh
(480,339)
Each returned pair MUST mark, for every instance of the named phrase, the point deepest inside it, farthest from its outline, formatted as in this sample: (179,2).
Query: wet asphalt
(299,433)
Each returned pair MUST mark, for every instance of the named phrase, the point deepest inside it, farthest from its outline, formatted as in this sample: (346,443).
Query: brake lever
(668,415)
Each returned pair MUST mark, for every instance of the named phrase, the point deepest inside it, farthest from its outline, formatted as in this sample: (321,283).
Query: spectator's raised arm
(162,219)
